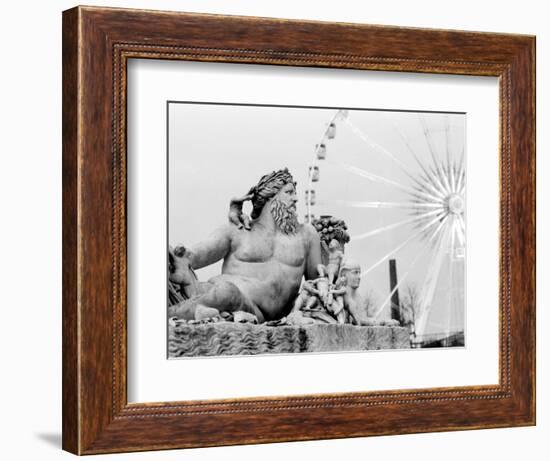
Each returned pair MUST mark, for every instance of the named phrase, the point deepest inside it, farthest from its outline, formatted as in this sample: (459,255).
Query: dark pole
(395,306)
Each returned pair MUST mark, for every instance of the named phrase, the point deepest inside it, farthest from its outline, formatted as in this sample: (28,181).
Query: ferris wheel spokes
(461,230)
(432,276)
(451,287)
(375,146)
(439,167)
(359,204)
(373,177)
(432,180)
(404,243)
(402,279)
(455,168)
(379,230)
(423,185)
(436,164)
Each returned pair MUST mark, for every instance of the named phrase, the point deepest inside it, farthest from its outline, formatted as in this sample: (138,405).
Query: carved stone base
(228,338)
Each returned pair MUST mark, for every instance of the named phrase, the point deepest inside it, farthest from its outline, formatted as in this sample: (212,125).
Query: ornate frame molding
(97,43)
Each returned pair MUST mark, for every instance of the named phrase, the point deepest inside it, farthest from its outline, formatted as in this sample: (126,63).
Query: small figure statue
(335,257)
(352,299)
(308,297)
(335,301)
(322,285)
(311,304)
(335,260)
(181,272)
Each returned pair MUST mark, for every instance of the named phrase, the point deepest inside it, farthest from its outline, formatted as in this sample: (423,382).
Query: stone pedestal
(227,338)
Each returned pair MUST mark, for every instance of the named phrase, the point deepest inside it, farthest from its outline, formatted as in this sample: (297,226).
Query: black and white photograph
(314,229)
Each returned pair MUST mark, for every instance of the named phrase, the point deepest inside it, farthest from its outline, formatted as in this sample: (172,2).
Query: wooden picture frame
(97,43)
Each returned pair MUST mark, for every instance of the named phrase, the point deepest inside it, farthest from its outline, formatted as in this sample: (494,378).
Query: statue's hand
(236,215)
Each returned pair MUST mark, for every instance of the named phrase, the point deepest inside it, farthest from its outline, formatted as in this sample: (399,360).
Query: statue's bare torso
(267,266)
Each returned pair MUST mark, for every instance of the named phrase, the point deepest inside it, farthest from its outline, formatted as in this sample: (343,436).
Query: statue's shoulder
(235,234)
(310,232)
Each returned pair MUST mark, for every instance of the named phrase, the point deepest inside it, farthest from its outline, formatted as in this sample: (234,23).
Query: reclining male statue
(264,260)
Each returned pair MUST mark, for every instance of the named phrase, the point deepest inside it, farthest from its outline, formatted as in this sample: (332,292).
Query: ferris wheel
(429,179)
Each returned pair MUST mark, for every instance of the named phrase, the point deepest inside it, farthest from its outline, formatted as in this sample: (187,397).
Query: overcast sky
(219,151)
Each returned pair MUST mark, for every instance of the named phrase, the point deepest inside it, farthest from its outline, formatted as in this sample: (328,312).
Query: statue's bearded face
(283,209)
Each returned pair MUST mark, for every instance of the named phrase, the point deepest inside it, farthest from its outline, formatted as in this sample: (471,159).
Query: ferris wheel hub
(455,204)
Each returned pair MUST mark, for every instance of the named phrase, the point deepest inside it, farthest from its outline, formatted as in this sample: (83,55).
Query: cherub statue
(352,299)
(322,286)
(317,302)
(181,272)
(335,300)
(308,297)
(335,257)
